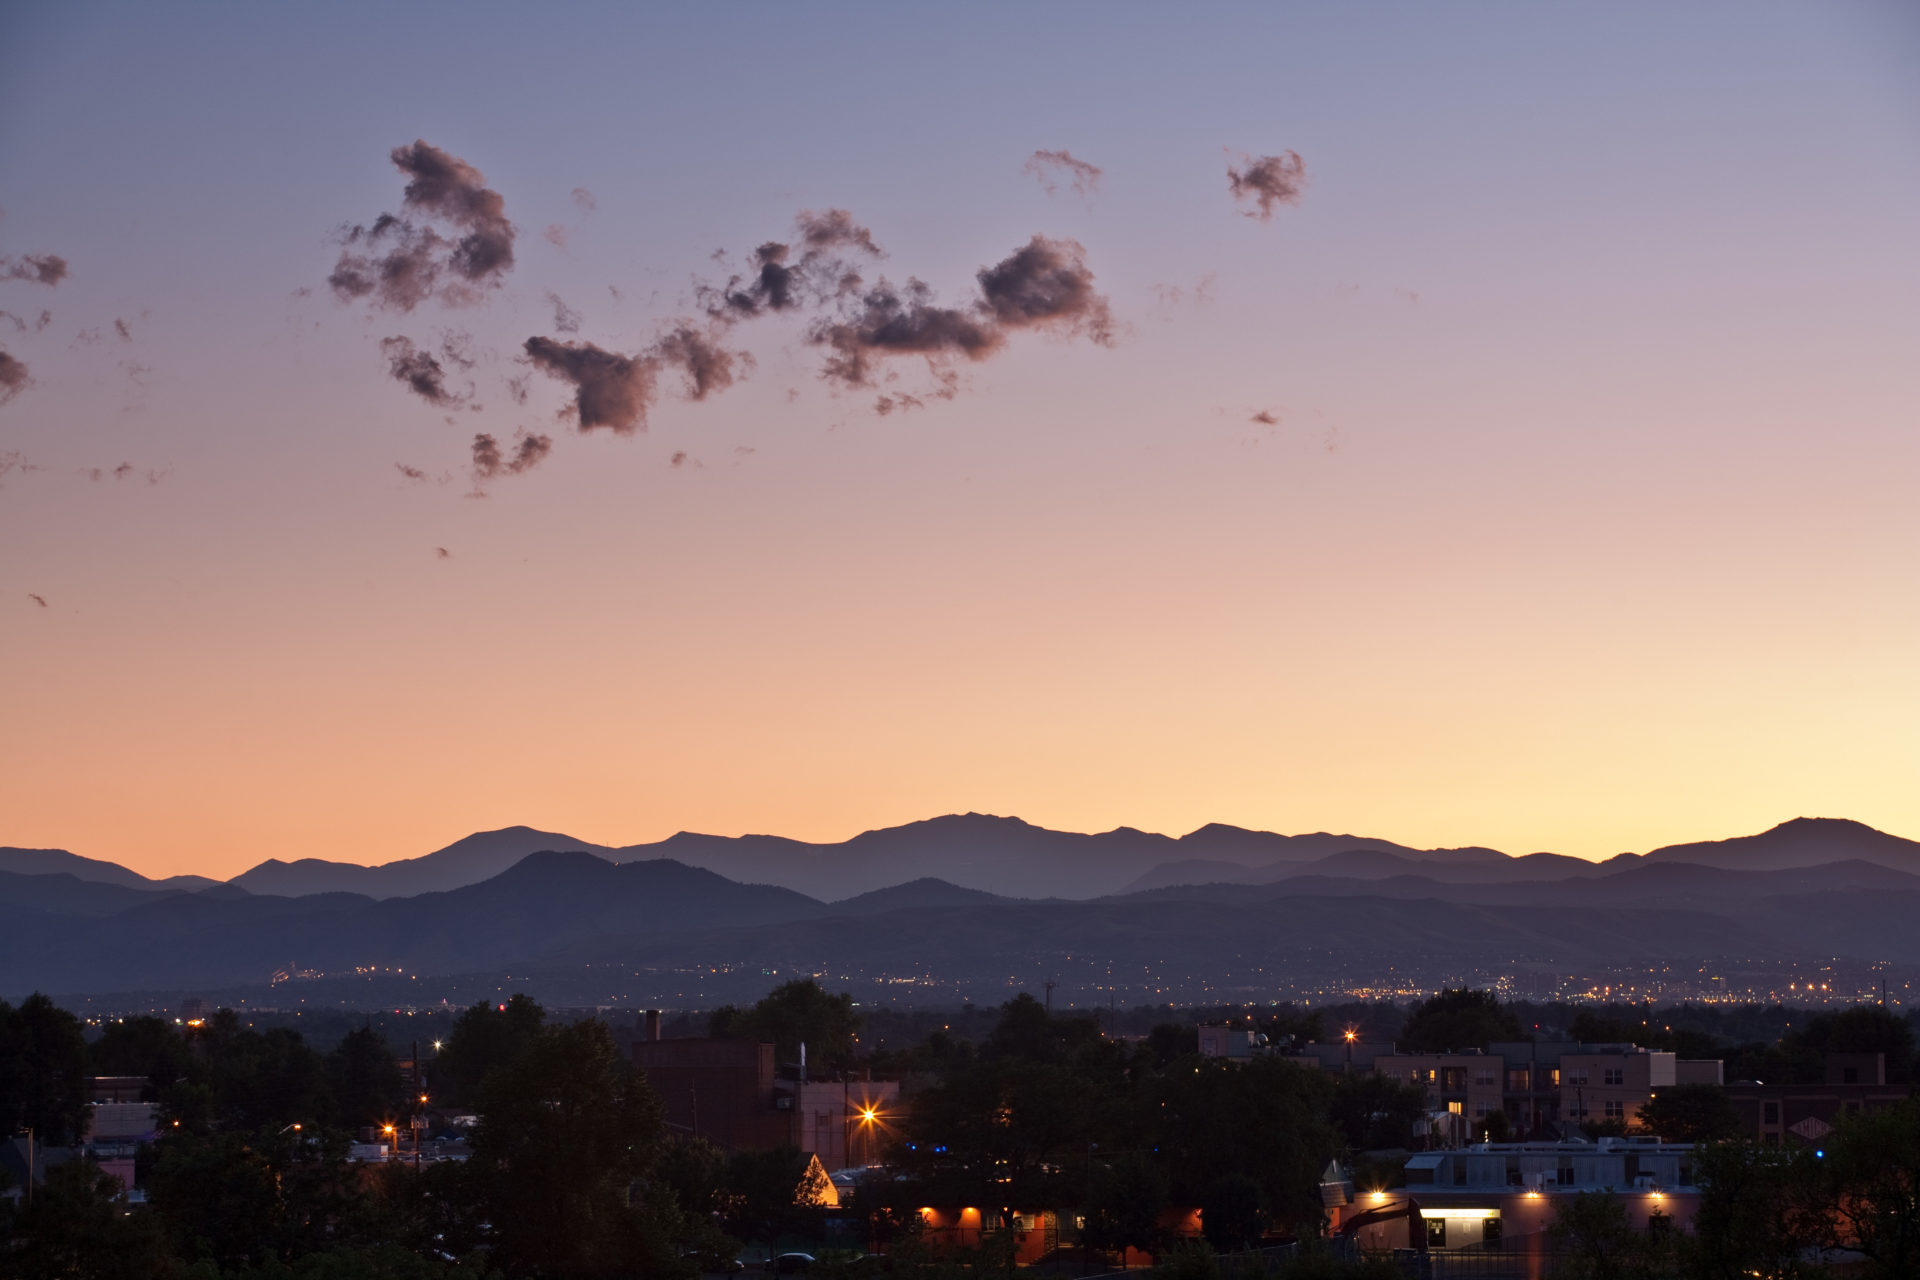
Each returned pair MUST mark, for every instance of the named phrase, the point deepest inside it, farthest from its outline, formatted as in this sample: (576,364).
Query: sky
(1460,424)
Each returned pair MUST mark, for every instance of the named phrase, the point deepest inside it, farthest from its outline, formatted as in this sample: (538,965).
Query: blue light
(1819,1155)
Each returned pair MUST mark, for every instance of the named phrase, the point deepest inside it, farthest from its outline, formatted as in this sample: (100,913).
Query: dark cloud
(486,456)
(489,461)
(892,322)
(1043,285)
(616,391)
(122,471)
(1266,418)
(779,279)
(12,460)
(39,600)
(610,390)
(529,453)
(442,553)
(1268,181)
(1053,167)
(13,377)
(420,370)
(400,266)
(679,459)
(565,318)
(1046,284)
(35,268)
(447,187)
(124,330)
(585,199)
(411,473)
(402,263)
(707,365)
(835,229)
(555,235)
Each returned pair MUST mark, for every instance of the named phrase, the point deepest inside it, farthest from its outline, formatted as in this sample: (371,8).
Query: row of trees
(1047,1113)
(249,1176)
(216,1073)
(1848,1208)
(570,1174)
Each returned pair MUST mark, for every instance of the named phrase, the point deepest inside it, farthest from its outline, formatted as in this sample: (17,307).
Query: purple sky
(1541,473)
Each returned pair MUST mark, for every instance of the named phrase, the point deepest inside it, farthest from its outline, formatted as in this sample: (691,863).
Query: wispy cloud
(1054,167)
(1268,181)
(420,371)
(565,318)
(20,324)
(489,461)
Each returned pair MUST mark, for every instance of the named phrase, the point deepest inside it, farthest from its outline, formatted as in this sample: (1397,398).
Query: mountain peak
(1798,842)
(1822,826)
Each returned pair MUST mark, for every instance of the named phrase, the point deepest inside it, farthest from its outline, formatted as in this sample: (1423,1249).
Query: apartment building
(1504,1196)
(1537,1086)
(1804,1114)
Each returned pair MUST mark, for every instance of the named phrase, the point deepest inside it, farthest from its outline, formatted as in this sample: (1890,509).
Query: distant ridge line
(1008,858)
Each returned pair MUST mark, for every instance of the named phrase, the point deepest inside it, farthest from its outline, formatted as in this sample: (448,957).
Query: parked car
(789,1264)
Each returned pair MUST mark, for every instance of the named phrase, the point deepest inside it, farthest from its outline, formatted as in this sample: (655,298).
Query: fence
(1525,1262)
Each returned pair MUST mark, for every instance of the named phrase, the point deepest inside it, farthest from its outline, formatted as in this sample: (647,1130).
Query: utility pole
(1049,984)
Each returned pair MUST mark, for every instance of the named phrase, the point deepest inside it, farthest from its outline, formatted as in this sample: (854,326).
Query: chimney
(653,1024)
